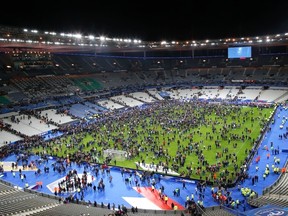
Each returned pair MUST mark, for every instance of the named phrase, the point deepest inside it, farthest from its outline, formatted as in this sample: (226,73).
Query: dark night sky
(151,20)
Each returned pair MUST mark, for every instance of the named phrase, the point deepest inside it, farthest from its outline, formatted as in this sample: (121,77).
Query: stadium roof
(13,38)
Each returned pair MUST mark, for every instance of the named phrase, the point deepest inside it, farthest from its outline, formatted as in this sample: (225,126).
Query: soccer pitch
(195,139)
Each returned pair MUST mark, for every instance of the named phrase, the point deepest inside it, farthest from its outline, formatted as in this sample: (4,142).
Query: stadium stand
(42,90)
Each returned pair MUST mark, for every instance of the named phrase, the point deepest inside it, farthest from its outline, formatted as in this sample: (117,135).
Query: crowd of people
(163,124)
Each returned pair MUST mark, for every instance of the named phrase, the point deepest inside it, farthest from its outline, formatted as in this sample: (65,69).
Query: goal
(115,154)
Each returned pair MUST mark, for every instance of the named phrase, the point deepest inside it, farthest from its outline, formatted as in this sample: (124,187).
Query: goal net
(115,154)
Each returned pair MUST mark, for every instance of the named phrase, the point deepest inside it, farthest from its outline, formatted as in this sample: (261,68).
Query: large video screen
(239,52)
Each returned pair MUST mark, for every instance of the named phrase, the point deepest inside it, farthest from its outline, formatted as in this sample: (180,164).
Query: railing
(233,211)
(200,210)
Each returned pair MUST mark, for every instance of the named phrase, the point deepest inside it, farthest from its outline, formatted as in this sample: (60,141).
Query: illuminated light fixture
(102,38)
(77,36)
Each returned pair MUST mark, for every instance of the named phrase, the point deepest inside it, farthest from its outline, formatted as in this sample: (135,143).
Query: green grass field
(190,138)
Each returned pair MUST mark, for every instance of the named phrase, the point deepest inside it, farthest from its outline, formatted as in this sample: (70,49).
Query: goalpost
(115,154)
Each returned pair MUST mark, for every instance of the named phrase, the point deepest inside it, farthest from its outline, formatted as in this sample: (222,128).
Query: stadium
(93,125)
